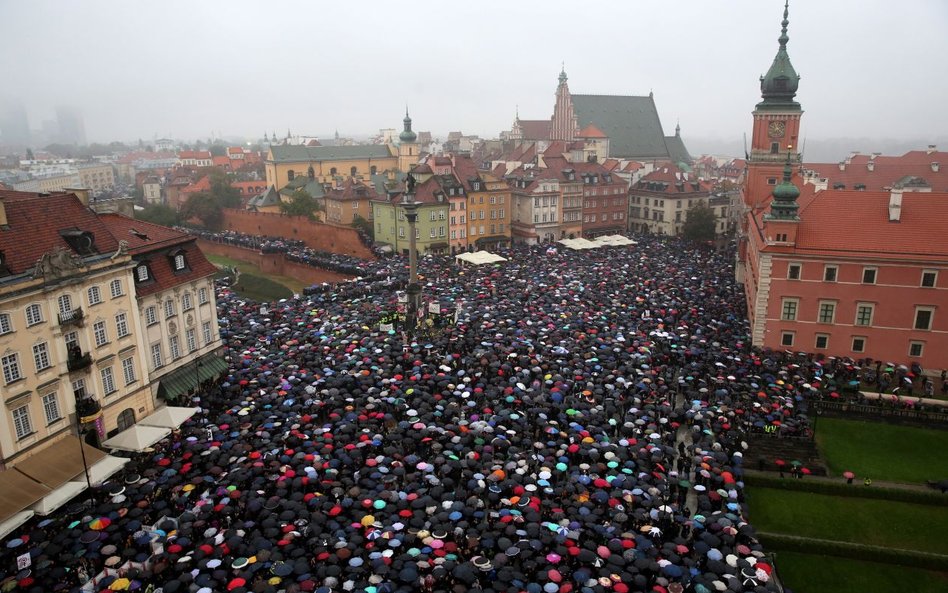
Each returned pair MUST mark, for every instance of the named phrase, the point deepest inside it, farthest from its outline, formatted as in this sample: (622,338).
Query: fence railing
(843,408)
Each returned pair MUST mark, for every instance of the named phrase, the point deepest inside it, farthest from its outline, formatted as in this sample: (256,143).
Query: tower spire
(779,85)
(563,77)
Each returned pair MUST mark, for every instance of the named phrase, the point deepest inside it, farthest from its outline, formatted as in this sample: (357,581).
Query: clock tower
(776,125)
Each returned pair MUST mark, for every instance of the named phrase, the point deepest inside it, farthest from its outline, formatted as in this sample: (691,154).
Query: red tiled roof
(131,157)
(887,170)
(536,129)
(591,131)
(353,190)
(202,184)
(34,222)
(632,166)
(847,223)
(611,164)
(195,154)
(155,247)
(221,161)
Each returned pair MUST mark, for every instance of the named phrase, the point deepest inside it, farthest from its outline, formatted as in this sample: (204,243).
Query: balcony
(73,317)
(88,409)
(78,361)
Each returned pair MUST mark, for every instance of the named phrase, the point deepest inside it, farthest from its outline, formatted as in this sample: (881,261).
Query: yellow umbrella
(120,584)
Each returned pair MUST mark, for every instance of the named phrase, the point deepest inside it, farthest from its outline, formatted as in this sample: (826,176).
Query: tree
(29,154)
(300,204)
(206,208)
(158,214)
(218,150)
(699,224)
(363,225)
(227,196)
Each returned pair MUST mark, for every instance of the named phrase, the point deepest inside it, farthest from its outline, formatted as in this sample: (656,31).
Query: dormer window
(178,261)
(141,273)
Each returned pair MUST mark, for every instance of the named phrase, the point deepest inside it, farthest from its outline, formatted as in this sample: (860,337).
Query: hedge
(821,486)
(793,543)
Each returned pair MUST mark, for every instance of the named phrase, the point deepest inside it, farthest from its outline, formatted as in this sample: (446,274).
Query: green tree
(218,150)
(229,197)
(300,204)
(700,224)
(29,154)
(206,208)
(158,214)
(363,225)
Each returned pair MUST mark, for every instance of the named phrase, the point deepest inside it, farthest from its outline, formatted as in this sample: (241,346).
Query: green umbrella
(796,463)
(684,483)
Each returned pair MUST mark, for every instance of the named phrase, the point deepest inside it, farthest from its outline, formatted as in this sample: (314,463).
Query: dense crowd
(572,421)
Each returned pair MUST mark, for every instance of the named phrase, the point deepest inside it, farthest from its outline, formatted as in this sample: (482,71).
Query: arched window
(332,171)
(352,171)
(290,175)
(126,419)
(372,170)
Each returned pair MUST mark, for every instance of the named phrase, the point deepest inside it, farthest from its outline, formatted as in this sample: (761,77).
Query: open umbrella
(100,523)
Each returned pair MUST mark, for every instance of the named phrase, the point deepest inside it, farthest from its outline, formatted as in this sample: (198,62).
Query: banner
(434,308)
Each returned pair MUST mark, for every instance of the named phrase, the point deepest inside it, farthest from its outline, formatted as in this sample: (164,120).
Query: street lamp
(82,449)
(414,289)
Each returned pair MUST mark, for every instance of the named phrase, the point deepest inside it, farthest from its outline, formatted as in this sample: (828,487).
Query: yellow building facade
(323,163)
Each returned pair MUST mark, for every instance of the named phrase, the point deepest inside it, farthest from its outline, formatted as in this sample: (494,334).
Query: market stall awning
(17,492)
(168,417)
(58,497)
(579,244)
(60,462)
(480,257)
(186,379)
(614,240)
(103,470)
(137,438)
(14,521)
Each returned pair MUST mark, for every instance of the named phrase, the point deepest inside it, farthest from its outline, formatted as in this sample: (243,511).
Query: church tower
(565,125)
(407,146)
(776,133)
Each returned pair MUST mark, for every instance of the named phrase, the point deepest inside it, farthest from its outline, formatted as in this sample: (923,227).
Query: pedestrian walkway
(857,482)
(888,397)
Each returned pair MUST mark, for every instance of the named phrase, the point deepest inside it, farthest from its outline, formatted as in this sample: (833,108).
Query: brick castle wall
(316,235)
(272,263)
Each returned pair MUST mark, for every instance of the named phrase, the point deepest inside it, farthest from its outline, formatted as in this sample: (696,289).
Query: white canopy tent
(168,417)
(579,244)
(137,438)
(103,470)
(14,521)
(614,240)
(478,258)
(58,497)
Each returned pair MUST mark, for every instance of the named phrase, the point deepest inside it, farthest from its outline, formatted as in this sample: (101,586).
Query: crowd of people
(574,421)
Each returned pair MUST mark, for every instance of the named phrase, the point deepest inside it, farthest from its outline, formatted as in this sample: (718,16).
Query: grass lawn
(260,286)
(883,451)
(857,520)
(805,573)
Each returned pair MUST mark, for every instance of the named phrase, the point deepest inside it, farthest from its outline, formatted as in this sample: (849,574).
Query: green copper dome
(407,135)
(784,205)
(779,85)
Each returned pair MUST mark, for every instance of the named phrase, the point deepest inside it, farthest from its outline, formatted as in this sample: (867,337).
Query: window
(95,295)
(79,388)
(864,314)
(401,232)
(151,316)
(868,275)
(859,344)
(6,324)
(72,341)
(190,339)
(141,273)
(186,304)
(108,380)
(115,287)
(771,181)
(41,356)
(923,317)
(101,337)
(827,312)
(793,271)
(829,273)
(21,422)
(128,370)
(65,306)
(774,147)
(202,296)
(786,339)
(169,309)
(929,278)
(11,368)
(822,341)
(51,407)
(34,315)
(121,325)
(174,348)
(789,312)
(916,348)
(156,356)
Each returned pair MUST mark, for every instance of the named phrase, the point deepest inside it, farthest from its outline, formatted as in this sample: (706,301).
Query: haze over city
(239,69)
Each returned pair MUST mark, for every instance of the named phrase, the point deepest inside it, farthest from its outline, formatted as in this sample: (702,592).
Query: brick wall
(320,236)
(272,263)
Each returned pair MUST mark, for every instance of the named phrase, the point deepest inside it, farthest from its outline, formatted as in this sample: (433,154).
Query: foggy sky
(188,69)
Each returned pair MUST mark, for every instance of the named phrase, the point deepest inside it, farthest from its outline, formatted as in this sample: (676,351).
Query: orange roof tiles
(591,131)
(887,170)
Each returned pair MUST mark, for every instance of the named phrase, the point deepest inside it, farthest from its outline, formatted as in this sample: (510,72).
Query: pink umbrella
(849,475)
(553,557)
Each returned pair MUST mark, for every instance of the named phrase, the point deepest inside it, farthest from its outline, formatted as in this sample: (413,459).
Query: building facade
(431,229)
(96,176)
(840,272)
(660,201)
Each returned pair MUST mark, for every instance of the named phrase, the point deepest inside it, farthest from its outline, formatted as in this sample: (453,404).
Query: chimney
(842,165)
(895,204)
(871,165)
(931,148)
(81,193)
(935,166)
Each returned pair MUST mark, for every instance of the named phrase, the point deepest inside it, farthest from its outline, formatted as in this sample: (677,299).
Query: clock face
(776,129)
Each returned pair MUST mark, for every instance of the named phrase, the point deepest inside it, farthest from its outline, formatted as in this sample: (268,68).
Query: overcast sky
(187,69)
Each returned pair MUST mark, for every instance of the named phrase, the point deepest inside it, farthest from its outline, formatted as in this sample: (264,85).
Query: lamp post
(414,289)
(82,449)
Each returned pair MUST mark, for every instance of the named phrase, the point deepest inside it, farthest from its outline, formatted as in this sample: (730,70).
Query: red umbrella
(849,475)
(805,471)
(238,582)
(780,462)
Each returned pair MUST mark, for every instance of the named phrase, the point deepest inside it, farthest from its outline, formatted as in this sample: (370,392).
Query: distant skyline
(199,69)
